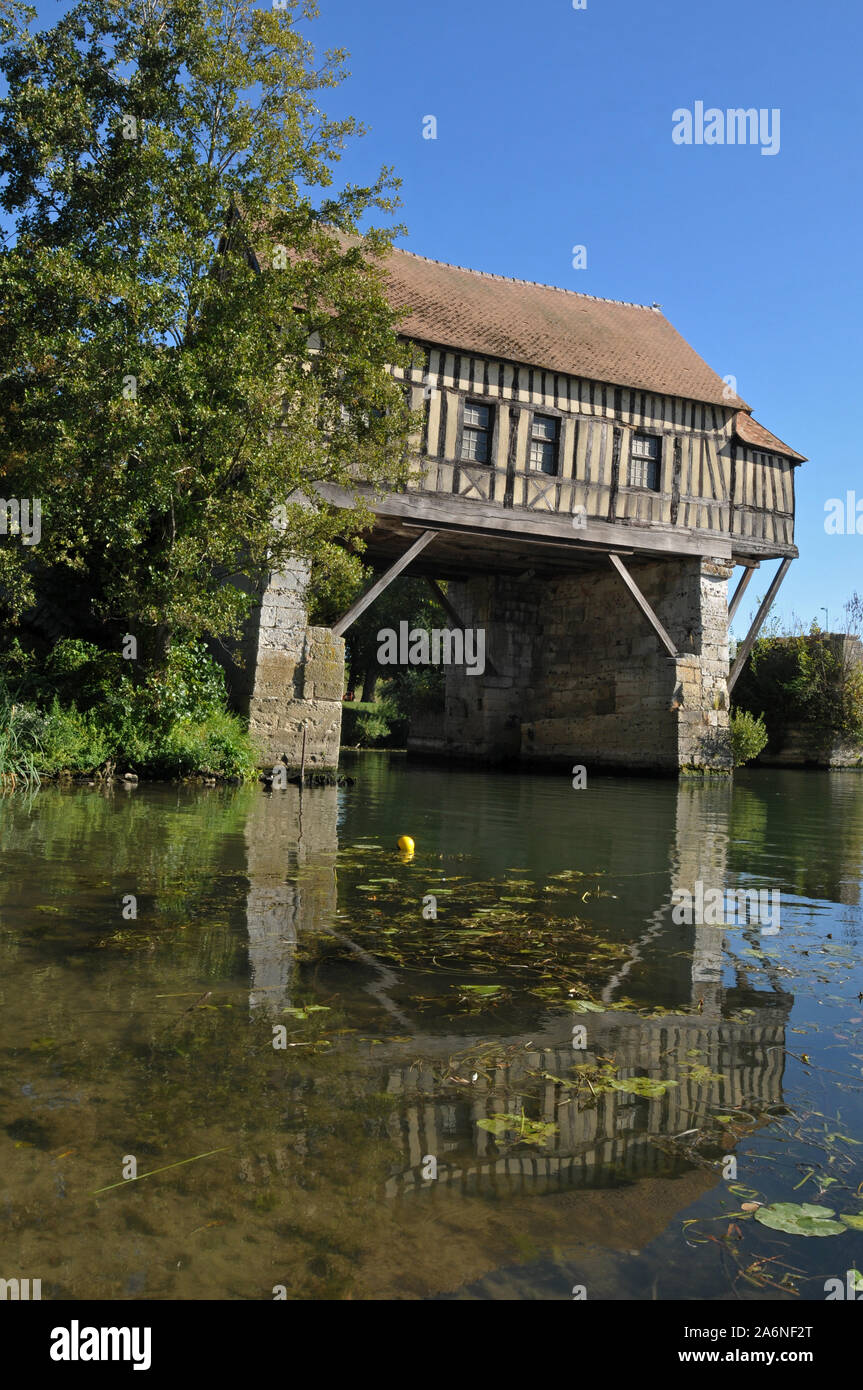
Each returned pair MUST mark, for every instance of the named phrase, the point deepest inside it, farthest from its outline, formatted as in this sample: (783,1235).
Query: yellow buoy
(406,844)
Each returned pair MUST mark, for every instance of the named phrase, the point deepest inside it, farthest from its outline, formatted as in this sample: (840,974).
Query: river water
(252,1050)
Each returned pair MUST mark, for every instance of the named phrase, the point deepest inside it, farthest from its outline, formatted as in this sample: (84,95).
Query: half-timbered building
(587,484)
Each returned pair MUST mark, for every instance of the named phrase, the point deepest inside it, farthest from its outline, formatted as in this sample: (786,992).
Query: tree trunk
(370,680)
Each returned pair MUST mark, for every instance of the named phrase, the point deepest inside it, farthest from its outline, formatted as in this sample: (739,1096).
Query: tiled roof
(558,330)
(603,339)
(757,437)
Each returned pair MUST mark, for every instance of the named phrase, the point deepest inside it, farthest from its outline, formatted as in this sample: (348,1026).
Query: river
(252,1050)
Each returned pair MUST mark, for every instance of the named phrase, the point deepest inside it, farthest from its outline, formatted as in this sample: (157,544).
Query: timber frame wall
(711,482)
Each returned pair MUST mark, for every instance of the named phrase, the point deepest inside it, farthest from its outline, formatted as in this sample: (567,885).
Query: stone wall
(582,677)
(292,677)
(803,748)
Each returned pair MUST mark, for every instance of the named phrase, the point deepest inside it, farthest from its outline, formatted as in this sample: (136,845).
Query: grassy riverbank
(82,712)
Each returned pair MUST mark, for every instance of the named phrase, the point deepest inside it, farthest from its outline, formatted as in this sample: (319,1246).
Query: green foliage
(73,741)
(518,1129)
(216,744)
(367,725)
(189,687)
(800,1219)
(642,1085)
(809,679)
(18,729)
(193,330)
(79,710)
(413,689)
(748,736)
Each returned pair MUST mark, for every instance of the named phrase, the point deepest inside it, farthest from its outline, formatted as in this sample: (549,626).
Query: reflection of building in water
(290,855)
(608,1138)
(598,1141)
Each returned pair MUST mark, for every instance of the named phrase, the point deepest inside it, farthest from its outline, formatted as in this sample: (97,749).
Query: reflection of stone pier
(290,855)
(701,854)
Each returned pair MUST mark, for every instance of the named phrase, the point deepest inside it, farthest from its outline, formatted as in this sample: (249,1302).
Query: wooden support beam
(441,511)
(575,547)
(451,612)
(740,591)
(643,604)
(368,598)
(749,641)
(455,618)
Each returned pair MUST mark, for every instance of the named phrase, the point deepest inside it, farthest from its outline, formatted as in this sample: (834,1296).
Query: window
(644,461)
(543,443)
(476,434)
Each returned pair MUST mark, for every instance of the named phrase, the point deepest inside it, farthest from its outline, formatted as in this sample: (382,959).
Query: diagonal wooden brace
(368,598)
(749,641)
(643,604)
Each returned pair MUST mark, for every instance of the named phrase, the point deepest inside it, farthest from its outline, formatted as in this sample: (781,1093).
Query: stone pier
(581,677)
(292,679)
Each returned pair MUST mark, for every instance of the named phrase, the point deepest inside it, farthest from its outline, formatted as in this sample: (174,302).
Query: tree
(193,329)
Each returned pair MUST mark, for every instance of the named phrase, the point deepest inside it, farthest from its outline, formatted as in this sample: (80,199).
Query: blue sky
(554,129)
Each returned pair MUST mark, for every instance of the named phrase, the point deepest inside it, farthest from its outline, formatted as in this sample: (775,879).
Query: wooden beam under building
(643,604)
(749,640)
(386,579)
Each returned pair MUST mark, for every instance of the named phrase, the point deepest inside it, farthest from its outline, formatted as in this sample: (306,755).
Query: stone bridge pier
(577,674)
(291,680)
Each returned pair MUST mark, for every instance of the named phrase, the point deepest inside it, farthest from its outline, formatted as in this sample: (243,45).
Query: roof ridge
(515,280)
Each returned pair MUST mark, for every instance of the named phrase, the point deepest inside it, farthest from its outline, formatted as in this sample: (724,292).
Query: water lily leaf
(496,1127)
(486,991)
(800,1219)
(642,1085)
(523,1130)
(855,1221)
(585,1006)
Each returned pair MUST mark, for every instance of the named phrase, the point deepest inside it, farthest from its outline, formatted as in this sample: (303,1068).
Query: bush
(18,728)
(373,725)
(803,679)
(72,741)
(748,736)
(218,745)
(81,711)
